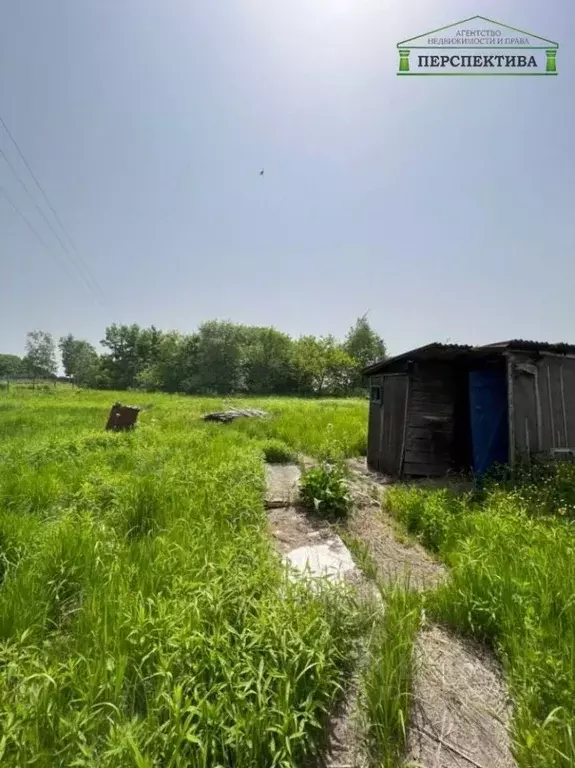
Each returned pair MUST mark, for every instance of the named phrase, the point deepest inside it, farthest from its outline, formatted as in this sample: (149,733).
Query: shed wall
(395,394)
(430,421)
(374,427)
(544,403)
(387,424)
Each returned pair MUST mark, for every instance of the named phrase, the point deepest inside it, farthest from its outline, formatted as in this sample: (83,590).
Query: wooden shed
(453,407)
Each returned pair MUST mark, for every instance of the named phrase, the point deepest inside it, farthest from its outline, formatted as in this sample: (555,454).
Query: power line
(32,228)
(40,211)
(90,282)
(42,214)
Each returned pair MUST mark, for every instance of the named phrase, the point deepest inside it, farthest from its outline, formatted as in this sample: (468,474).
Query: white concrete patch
(331,559)
(282,481)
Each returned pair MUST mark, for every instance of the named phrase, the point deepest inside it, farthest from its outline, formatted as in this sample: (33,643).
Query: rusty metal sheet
(122,417)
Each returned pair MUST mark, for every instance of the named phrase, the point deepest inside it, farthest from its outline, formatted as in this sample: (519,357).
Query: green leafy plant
(324,491)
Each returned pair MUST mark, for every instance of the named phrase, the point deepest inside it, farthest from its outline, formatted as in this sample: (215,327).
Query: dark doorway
(489,418)
(462,455)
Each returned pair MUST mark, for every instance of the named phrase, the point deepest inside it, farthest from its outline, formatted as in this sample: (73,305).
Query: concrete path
(308,545)
(331,560)
(314,551)
(461,710)
(282,485)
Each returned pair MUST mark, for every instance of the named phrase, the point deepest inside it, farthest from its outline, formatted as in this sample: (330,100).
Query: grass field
(144,619)
(512,559)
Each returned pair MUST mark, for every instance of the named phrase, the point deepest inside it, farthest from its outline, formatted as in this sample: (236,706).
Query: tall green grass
(144,618)
(513,586)
(312,426)
(388,676)
(308,426)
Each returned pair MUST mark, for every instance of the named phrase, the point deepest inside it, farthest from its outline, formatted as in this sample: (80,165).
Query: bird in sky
(262,172)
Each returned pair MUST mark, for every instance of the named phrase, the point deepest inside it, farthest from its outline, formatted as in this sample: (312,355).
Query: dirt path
(407,563)
(461,711)
(309,543)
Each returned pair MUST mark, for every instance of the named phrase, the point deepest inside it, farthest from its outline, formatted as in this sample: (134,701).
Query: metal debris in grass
(122,417)
(225,417)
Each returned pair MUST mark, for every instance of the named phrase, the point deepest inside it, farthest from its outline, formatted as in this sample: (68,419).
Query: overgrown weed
(388,675)
(144,618)
(511,550)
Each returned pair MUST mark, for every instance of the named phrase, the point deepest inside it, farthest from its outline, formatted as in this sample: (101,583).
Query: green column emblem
(403,60)
(456,49)
(551,60)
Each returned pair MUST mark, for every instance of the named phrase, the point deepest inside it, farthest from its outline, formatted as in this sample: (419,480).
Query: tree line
(219,358)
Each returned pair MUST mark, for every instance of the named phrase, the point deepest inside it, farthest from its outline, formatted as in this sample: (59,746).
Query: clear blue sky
(444,206)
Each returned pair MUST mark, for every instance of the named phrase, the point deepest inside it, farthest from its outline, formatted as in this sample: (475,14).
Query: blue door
(489,428)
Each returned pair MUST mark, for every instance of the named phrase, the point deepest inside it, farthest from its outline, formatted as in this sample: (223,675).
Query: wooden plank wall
(430,421)
(544,412)
(374,428)
(392,424)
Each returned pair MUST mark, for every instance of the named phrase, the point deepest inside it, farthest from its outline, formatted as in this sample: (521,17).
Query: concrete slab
(282,485)
(332,559)
(291,529)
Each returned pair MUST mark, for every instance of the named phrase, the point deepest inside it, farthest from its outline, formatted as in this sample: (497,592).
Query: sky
(442,206)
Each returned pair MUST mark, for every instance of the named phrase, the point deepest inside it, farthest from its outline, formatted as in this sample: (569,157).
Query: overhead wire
(42,214)
(32,228)
(86,275)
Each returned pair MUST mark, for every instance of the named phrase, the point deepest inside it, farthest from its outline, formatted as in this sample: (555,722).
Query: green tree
(11,365)
(131,351)
(80,360)
(121,363)
(322,366)
(223,357)
(183,373)
(364,346)
(40,357)
(268,361)
(307,364)
(98,377)
(148,344)
(340,368)
(161,369)
(220,358)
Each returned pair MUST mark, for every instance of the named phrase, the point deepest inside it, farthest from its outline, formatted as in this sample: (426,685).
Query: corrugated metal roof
(438,351)
(560,347)
(435,349)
